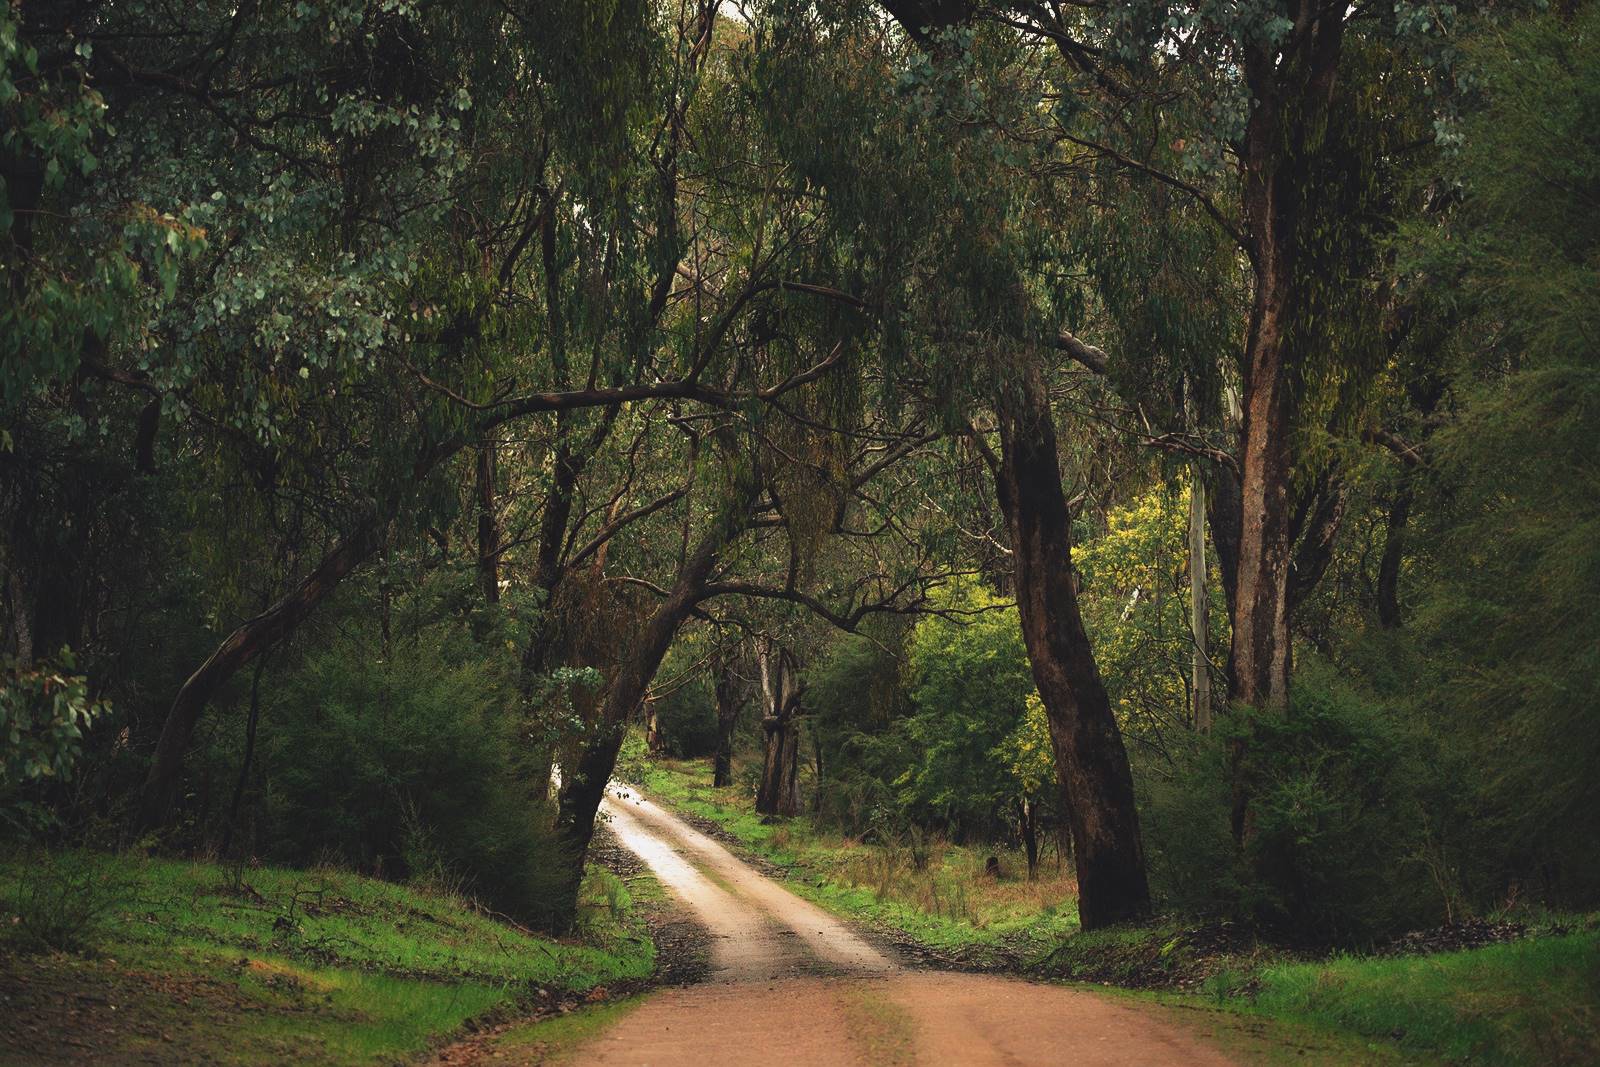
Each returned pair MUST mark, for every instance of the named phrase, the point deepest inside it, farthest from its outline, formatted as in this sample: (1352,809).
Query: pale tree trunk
(1028,823)
(779,792)
(488,523)
(1261,656)
(1092,770)
(1199,606)
(653,740)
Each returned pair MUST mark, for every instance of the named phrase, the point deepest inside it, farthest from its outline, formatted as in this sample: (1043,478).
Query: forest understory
(1087,495)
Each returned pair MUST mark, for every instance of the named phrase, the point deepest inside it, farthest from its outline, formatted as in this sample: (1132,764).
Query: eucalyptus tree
(969,342)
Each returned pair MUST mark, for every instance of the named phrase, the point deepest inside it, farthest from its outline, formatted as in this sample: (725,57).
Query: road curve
(791,984)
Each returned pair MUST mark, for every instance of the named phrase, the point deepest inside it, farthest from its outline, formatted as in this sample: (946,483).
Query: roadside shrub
(62,901)
(1335,851)
(404,768)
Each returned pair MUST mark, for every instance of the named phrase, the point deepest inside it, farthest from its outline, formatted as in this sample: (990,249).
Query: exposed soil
(790,982)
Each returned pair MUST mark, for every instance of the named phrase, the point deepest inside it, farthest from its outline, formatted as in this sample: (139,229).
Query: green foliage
(1135,604)
(320,966)
(44,712)
(970,684)
(856,698)
(1337,846)
(406,766)
(1527,1002)
(1508,622)
(687,720)
(63,901)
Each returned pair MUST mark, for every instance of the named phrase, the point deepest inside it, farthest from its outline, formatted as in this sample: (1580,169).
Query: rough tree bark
(1092,770)
(779,793)
(583,784)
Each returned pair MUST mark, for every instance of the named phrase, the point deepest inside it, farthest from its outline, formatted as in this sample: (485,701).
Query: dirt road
(792,985)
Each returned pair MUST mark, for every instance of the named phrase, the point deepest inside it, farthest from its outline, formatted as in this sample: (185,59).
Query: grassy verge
(189,962)
(948,903)
(1535,1001)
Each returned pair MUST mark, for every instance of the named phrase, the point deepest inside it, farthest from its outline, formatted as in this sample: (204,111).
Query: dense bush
(44,712)
(62,901)
(686,720)
(1340,846)
(404,767)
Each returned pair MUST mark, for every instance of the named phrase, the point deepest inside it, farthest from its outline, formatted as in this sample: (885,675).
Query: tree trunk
(653,741)
(488,523)
(728,707)
(1199,606)
(583,785)
(1027,821)
(249,757)
(779,793)
(240,647)
(1394,539)
(1091,764)
(1261,659)
(1225,517)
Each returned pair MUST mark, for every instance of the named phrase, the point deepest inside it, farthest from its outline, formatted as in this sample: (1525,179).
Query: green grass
(950,905)
(1535,1001)
(1529,1002)
(322,965)
(553,1040)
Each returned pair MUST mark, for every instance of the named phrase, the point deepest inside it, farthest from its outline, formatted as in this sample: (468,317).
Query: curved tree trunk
(583,784)
(245,643)
(1091,764)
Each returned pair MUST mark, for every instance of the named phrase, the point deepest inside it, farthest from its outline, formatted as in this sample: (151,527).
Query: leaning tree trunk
(240,647)
(1092,770)
(583,784)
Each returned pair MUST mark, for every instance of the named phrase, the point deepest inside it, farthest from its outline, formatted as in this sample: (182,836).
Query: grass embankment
(192,962)
(1534,1001)
(948,902)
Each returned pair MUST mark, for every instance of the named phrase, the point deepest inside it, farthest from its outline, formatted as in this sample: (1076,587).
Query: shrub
(686,720)
(405,768)
(44,712)
(62,901)
(1337,842)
